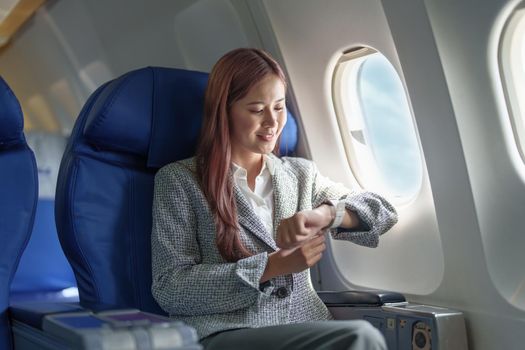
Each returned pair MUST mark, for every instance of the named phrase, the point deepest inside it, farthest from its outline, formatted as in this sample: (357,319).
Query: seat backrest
(18,198)
(44,272)
(128,129)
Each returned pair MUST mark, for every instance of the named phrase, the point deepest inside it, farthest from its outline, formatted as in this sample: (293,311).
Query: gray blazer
(193,283)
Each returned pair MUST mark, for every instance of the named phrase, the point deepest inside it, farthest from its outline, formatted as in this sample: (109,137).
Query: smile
(266,137)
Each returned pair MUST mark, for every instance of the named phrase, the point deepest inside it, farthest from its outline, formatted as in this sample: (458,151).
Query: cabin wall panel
(495,168)
(447,77)
(311,36)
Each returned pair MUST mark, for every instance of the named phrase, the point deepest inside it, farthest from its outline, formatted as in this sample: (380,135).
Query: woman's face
(256,120)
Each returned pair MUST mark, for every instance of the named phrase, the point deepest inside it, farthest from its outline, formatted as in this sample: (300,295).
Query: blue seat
(44,274)
(18,198)
(128,129)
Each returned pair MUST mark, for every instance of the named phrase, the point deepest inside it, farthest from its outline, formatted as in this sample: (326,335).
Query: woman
(236,228)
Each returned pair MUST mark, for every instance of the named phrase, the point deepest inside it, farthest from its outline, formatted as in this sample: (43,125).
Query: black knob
(281,292)
(421,340)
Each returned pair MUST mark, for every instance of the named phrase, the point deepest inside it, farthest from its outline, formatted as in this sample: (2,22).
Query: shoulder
(182,170)
(302,169)
(294,164)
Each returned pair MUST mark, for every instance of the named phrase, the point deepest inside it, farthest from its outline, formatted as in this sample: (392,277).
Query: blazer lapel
(285,195)
(249,220)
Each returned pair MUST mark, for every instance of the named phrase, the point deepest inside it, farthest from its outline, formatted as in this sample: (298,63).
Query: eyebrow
(262,102)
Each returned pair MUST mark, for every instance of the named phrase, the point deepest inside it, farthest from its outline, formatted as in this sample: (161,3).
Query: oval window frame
(346,71)
(513,27)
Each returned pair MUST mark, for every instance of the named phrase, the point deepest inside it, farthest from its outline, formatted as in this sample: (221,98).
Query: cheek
(239,133)
(282,122)
(247,126)
(242,128)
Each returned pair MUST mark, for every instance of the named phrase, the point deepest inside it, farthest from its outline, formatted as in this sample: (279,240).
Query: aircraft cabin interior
(421,101)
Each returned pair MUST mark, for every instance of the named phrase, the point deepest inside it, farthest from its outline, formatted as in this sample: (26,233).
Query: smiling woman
(233,259)
(236,76)
(256,122)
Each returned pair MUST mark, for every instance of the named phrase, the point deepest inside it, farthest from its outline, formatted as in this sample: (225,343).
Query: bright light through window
(512,65)
(377,125)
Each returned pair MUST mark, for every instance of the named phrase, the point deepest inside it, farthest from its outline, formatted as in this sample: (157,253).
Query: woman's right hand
(287,261)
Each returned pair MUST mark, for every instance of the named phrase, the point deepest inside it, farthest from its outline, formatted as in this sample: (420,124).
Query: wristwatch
(338,212)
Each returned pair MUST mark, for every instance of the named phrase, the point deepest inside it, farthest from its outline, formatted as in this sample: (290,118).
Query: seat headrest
(154,113)
(11,117)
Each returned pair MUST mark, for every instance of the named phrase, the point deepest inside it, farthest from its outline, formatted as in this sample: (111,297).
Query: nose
(270,118)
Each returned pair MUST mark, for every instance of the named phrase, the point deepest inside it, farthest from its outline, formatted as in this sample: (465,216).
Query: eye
(259,111)
(279,108)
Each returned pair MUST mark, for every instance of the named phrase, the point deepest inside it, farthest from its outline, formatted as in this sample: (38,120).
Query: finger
(310,230)
(319,249)
(315,250)
(289,245)
(321,233)
(314,242)
(286,241)
(299,226)
(315,259)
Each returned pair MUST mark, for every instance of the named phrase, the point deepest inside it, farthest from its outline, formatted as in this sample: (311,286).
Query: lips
(266,137)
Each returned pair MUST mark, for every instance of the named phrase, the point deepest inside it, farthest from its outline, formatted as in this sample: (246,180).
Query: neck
(252,163)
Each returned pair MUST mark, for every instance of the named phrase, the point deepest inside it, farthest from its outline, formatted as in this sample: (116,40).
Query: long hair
(230,80)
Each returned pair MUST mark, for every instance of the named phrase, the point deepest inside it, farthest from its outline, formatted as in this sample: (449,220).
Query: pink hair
(230,80)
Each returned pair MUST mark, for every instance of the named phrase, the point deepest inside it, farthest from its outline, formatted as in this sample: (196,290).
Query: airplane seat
(137,123)
(44,274)
(18,198)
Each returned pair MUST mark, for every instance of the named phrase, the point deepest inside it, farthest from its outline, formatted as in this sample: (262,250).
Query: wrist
(338,210)
(270,270)
(328,213)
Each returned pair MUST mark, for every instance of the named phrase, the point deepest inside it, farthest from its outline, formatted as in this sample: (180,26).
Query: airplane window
(377,124)
(512,68)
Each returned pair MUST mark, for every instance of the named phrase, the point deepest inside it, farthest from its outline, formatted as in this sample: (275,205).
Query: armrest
(360,298)
(70,326)
(33,313)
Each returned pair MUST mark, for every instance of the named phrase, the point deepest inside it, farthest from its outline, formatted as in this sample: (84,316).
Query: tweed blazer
(193,283)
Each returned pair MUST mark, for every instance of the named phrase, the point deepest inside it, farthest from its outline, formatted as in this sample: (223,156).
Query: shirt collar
(269,162)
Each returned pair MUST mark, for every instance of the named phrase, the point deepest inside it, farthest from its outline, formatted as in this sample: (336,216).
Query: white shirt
(261,198)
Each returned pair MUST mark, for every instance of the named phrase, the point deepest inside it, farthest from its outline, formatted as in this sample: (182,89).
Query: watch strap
(338,213)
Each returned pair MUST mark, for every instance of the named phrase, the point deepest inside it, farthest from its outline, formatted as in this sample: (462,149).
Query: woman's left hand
(293,231)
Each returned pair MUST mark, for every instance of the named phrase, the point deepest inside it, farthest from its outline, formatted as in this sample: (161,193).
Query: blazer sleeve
(376,214)
(181,283)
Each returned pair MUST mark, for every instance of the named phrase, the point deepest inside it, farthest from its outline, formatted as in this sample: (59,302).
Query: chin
(267,150)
